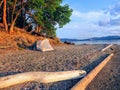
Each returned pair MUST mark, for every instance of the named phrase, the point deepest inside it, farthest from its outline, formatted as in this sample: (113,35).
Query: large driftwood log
(43,77)
(82,84)
(107,47)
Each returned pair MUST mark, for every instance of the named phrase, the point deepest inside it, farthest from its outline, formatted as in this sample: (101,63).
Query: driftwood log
(107,47)
(82,84)
(43,77)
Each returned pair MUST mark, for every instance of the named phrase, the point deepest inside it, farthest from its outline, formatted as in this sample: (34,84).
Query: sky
(92,18)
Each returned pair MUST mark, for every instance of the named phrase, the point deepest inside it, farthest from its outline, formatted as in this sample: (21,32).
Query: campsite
(59,45)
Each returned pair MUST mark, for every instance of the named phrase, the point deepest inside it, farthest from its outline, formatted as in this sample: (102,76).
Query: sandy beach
(63,58)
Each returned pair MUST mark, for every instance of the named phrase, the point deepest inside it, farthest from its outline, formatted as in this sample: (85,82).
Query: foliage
(47,14)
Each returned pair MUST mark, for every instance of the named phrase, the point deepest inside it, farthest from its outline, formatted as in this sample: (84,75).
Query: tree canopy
(45,15)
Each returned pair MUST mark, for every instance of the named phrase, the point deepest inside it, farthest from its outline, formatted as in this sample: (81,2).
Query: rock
(70,43)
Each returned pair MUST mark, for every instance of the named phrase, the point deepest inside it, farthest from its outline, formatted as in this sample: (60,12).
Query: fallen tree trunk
(43,77)
(82,84)
(107,47)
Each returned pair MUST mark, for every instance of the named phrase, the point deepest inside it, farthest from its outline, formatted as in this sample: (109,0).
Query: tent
(44,45)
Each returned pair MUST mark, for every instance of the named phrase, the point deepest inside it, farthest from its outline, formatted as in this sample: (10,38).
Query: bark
(42,77)
(13,22)
(15,1)
(4,16)
(38,28)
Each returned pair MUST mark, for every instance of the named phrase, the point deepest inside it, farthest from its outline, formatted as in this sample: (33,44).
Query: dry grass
(20,38)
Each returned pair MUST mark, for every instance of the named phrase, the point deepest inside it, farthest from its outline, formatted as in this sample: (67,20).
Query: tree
(49,13)
(44,14)
(16,8)
(10,13)
(4,15)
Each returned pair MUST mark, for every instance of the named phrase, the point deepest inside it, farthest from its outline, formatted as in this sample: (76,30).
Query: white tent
(44,45)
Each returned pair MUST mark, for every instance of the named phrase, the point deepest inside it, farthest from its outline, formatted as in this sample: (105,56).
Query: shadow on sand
(96,62)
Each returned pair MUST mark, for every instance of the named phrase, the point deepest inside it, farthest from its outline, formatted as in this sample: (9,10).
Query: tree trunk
(4,16)
(38,28)
(13,10)
(13,22)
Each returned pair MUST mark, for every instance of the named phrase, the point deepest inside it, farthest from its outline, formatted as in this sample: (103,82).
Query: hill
(93,39)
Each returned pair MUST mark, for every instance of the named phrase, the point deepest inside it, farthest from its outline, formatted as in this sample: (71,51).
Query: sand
(63,58)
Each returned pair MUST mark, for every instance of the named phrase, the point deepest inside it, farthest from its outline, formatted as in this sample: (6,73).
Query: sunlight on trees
(39,15)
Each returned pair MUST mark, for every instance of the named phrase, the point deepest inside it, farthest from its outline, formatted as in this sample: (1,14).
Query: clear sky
(92,18)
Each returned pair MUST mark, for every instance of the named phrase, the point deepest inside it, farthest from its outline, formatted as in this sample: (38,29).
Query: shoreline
(63,58)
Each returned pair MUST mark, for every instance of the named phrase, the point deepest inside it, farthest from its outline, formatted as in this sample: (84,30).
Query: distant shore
(63,58)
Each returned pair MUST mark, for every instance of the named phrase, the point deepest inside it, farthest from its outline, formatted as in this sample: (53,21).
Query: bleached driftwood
(107,47)
(82,84)
(43,77)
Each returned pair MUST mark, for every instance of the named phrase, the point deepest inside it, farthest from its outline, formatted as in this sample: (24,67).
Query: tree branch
(1,3)
(15,1)
(13,22)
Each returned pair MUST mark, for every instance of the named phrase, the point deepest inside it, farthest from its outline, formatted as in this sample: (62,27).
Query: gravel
(63,58)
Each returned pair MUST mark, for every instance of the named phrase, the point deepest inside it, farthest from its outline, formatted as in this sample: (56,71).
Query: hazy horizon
(90,37)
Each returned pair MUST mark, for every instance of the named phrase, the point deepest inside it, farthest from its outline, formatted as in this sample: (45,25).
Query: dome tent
(44,45)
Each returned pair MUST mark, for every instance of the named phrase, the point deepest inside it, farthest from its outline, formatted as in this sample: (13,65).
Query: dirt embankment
(21,39)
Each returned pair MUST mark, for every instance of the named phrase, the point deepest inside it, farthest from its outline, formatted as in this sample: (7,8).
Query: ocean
(98,42)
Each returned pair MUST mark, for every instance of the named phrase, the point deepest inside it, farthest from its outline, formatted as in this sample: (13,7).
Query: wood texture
(5,15)
(43,77)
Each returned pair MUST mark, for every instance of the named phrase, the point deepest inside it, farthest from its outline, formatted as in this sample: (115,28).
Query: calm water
(98,42)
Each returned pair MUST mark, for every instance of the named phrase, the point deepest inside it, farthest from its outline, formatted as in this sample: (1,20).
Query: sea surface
(98,42)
